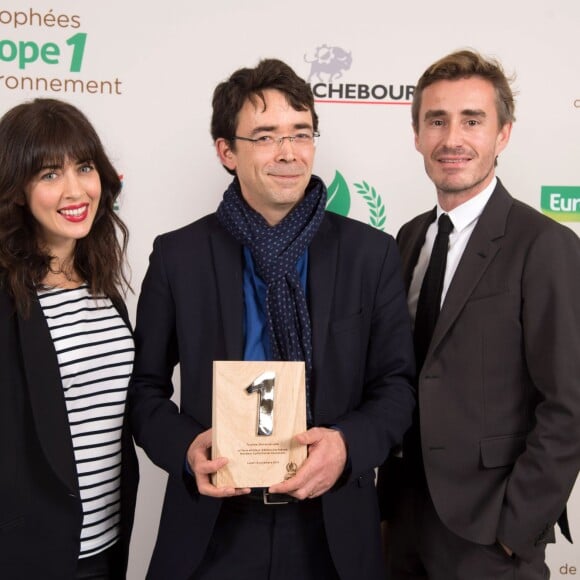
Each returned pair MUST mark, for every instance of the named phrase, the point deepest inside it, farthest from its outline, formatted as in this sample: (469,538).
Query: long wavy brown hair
(45,133)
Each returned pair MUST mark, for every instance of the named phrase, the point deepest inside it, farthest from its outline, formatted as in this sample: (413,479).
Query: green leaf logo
(338,195)
(338,200)
(378,216)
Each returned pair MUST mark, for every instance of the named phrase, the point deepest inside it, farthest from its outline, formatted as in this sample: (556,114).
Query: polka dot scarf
(275,251)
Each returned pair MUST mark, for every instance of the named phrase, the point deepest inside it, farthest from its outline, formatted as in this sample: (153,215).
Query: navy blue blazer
(191,312)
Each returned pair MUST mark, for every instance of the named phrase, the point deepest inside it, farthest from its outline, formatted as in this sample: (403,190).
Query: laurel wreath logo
(338,200)
(378,215)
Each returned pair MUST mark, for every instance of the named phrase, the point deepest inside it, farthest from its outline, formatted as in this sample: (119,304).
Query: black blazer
(499,393)
(40,507)
(191,312)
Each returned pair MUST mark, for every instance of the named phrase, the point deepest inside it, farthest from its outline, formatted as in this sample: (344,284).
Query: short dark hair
(465,64)
(43,133)
(250,83)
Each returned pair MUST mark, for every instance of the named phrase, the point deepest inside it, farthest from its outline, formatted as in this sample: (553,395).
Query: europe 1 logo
(27,52)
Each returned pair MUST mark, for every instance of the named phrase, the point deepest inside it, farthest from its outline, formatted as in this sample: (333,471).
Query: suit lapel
(123,313)
(228,264)
(411,247)
(47,396)
(322,256)
(479,253)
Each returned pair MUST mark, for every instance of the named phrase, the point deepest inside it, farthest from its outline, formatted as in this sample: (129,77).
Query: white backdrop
(144,73)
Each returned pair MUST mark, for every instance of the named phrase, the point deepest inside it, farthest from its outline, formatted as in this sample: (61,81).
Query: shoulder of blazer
(193,239)
(522,213)
(416,227)
(503,212)
(183,236)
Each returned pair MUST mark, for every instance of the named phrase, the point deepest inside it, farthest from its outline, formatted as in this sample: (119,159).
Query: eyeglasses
(270,141)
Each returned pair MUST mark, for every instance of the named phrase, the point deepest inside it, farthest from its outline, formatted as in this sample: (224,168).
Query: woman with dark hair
(68,470)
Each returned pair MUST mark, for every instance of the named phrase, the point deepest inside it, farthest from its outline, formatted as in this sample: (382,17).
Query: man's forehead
(274,108)
(463,87)
(459,95)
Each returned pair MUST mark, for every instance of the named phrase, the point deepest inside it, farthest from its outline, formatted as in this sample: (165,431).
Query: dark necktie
(429,302)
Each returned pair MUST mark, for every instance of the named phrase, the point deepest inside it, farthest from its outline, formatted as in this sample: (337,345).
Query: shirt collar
(466,213)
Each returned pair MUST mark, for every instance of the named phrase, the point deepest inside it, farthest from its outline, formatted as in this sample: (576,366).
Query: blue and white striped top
(95,352)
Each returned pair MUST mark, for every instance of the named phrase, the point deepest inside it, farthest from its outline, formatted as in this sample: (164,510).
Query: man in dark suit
(490,461)
(271,275)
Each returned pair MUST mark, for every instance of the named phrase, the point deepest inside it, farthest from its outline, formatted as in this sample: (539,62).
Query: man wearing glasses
(272,276)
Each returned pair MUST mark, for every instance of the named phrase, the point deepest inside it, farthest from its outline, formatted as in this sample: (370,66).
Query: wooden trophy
(258,406)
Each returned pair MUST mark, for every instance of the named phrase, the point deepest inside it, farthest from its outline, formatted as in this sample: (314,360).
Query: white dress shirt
(464,218)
